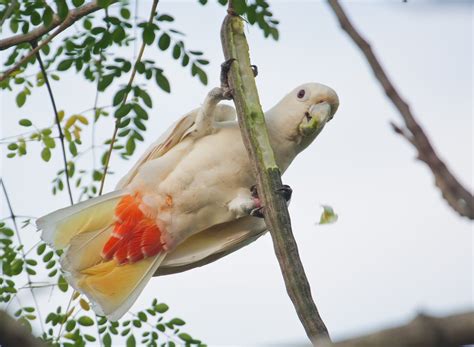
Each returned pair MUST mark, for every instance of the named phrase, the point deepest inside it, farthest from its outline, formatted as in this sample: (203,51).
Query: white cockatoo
(185,203)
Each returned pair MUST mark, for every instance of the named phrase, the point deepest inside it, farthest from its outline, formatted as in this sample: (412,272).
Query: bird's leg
(205,116)
(259,210)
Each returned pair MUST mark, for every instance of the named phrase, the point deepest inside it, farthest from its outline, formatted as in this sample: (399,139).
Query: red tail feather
(135,236)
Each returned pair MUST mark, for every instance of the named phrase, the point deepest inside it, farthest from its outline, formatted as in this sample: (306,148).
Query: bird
(188,201)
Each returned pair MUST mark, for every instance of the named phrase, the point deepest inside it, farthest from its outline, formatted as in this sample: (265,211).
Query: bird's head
(302,114)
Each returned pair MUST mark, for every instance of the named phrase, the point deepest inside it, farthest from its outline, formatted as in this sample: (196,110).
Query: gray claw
(258,212)
(255,70)
(285,191)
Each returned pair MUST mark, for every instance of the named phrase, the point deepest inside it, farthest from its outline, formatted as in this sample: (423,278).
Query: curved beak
(315,119)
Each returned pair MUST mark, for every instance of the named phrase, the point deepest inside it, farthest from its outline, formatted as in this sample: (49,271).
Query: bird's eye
(303,95)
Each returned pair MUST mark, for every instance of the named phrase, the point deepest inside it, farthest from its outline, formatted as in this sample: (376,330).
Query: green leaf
(131,341)
(165,18)
(146,98)
(89,338)
(142,316)
(125,13)
(148,34)
(62,8)
(118,97)
(328,216)
(185,337)
(47,16)
(65,64)
(62,284)
(46,154)
(41,248)
(123,110)
(48,256)
(176,51)
(85,321)
(70,325)
(164,41)
(161,308)
(20,99)
(107,340)
(130,146)
(77,3)
(177,321)
(162,81)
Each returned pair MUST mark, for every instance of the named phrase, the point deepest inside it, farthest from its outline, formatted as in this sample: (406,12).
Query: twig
(129,84)
(71,18)
(454,330)
(8,12)
(35,34)
(255,136)
(57,121)
(458,197)
(22,251)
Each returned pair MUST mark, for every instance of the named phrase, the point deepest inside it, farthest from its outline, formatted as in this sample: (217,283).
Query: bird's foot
(259,210)
(225,67)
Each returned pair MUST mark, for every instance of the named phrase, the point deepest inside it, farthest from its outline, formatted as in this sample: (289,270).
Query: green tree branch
(254,133)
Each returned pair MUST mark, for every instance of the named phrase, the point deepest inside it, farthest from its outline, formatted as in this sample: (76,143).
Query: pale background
(397,248)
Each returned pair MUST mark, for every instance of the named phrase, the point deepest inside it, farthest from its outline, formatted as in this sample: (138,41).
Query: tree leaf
(46,154)
(131,341)
(328,216)
(20,99)
(164,42)
(85,321)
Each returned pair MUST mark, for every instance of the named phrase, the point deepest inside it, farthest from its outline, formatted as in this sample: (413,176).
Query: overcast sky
(397,248)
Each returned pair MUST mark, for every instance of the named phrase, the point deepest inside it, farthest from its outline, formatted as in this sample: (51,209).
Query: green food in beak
(314,121)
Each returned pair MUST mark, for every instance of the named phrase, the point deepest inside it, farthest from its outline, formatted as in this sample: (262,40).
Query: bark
(254,133)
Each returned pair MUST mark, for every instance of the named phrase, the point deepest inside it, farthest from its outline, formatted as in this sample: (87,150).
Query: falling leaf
(328,216)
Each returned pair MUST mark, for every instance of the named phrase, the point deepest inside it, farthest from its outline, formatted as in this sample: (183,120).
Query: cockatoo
(185,203)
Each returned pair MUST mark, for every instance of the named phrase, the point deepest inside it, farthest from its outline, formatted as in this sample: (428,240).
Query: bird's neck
(282,139)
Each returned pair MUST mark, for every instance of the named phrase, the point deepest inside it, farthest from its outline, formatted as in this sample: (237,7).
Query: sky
(397,248)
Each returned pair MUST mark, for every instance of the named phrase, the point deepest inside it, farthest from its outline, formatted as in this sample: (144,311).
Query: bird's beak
(315,119)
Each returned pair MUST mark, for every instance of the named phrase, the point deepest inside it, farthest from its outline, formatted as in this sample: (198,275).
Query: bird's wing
(174,135)
(212,244)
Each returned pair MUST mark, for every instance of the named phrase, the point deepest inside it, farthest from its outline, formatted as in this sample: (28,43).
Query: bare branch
(255,136)
(450,331)
(129,84)
(458,197)
(58,123)
(35,34)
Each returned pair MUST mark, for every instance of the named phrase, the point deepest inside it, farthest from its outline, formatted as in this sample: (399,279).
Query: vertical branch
(129,84)
(57,121)
(255,136)
(458,197)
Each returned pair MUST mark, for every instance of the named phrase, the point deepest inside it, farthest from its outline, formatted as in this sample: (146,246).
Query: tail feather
(113,288)
(83,231)
(61,226)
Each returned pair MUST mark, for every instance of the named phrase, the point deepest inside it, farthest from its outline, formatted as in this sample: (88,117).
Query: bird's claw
(259,210)
(285,191)
(255,70)
(225,67)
